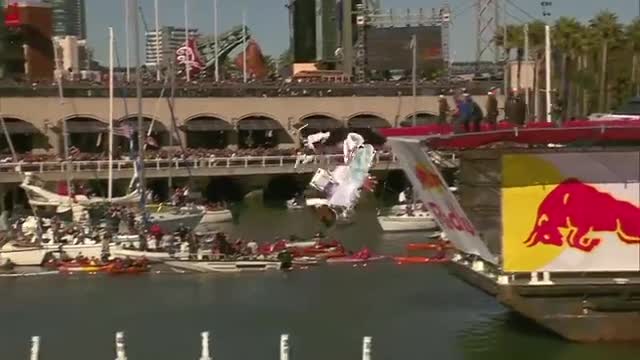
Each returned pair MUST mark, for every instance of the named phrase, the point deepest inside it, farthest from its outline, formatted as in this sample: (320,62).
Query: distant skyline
(270,23)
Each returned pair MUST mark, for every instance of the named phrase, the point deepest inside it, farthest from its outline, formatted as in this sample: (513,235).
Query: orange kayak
(418,260)
(83,268)
(114,270)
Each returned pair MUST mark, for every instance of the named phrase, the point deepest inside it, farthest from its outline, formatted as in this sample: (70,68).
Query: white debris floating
(120,353)
(284,347)
(35,347)
(366,348)
(205,354)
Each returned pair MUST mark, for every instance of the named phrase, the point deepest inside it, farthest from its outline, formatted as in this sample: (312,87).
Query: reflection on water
(412,311)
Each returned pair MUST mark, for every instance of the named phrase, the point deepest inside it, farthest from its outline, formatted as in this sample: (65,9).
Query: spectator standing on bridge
(465,109)
(492,110)
(443,110)
(476,114)
(519,109)
(509,106)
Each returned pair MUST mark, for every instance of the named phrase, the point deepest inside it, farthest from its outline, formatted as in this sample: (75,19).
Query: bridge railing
(178,164)
(206,352)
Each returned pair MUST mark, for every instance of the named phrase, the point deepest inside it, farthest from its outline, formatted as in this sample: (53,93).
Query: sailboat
(407,217)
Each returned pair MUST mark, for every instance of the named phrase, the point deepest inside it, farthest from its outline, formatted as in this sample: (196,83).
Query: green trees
(596,64)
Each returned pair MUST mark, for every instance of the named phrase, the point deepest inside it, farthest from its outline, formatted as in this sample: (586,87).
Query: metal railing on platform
(205,353)
(199,163)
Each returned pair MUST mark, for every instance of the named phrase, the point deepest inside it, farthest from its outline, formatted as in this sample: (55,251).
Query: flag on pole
(152,142)
(123,130)
(412,44)
(73,151)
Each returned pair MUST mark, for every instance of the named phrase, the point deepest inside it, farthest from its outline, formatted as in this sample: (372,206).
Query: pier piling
(366,348)
(35,347)
(120,352)
(205,355)
(284,347)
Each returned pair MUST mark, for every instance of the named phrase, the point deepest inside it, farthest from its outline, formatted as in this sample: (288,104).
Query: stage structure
(383,40)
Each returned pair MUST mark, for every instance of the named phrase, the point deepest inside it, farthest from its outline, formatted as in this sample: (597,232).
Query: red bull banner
(571,212)
(431,188)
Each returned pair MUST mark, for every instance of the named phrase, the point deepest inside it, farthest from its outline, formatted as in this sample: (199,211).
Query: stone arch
(208,131)
(366,124)
(422,118)
(316,122)
(23,134)
(159,132)
(367,120)
(320,121)
(261,130)
(86,133)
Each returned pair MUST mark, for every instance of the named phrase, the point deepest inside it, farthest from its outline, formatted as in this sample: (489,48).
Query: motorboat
(418,220)
(169,222)
(216,216)
(226,266)
(35,255)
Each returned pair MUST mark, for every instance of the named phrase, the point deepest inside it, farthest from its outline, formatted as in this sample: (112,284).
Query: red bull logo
(574,212)
(427,178)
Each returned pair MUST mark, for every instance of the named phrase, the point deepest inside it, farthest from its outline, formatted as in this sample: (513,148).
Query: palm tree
(565,38)
(514,40)
(633,35)
(608,29)
(585,43)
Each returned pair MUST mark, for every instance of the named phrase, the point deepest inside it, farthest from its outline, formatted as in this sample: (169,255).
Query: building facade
(27,50)
(72,55)
(69,18)
(161,46)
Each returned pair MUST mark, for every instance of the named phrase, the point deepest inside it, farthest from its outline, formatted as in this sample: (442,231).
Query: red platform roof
(536,133)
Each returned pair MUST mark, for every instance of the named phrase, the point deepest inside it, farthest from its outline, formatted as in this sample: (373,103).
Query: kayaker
(253,247)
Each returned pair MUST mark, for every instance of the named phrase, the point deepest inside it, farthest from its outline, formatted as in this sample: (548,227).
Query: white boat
(170,222)
(216,216)
(225,266)
(35,255)
(418,221)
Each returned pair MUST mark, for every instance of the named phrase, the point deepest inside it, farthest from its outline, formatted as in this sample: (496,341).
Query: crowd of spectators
(178,154)
(199,88)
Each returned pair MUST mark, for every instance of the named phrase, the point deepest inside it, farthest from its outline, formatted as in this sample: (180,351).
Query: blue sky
(268,19)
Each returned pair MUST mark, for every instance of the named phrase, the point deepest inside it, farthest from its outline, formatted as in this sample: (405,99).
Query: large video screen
(389,48)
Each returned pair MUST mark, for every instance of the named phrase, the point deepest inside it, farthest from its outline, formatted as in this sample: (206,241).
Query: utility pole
(414,45)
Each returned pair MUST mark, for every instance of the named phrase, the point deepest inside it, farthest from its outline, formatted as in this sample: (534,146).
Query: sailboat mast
(65,133)
(141,132)
(110,185)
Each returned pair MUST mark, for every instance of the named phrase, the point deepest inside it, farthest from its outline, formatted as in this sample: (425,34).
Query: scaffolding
(370,16)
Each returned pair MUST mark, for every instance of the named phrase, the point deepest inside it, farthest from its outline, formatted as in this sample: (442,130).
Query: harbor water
(411,311)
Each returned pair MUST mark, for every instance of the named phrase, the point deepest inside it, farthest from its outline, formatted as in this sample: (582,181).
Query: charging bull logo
(427,178)
(574,212)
